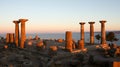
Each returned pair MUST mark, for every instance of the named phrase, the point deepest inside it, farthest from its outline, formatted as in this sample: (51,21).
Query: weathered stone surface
(117,53)
(82,30)
(11,37)
(81,44)
(91,32)
(60,40)
(5,46)
(30,43)
(53,48)
(23,33)
(103,33)
(40,44)
(116,64)
(69,42)
(16,32)
(68,36)
(7,37)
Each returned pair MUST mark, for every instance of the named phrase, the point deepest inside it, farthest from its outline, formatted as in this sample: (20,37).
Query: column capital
(82,23)
(23,20)
(16,21)
(103,21)
(91,22)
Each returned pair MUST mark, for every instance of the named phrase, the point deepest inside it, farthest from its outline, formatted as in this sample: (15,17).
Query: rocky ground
(32,56)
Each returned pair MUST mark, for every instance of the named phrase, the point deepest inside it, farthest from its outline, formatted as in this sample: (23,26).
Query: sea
(75,36)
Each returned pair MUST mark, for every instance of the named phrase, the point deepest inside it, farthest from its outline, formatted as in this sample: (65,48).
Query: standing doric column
(103,33)
(82,30)
(91,32)
(16,32)
(81,41)
(23,34)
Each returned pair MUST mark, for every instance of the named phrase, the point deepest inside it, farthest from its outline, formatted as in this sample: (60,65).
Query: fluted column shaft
(81,41)
(23,33)
(103,32)
(91,32)
(16,32)
(82,30)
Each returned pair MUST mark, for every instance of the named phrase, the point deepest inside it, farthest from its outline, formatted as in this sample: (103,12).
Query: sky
(55,16)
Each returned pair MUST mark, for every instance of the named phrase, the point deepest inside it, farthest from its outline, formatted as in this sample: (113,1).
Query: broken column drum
(91,32)
(23,33)
(81,44)
(68,38)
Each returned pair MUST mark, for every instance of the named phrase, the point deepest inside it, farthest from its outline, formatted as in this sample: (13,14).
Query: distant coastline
(75,35)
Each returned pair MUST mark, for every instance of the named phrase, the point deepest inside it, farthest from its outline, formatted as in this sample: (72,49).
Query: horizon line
(60,32)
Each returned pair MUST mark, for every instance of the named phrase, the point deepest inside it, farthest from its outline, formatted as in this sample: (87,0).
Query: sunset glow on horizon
(58,16)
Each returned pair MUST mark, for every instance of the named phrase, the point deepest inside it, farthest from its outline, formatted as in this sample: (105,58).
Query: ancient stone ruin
(14,39)
(103,33)
(91,32)
(23,32)
(69,42)
(16,32)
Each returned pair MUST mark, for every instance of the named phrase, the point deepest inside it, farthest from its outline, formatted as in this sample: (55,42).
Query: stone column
(11,37)
(81,41)
(69,42)
(91,32)
(16,32)
(7,38)
(23,33)
(82,30)
(116,64)
(81,44)
(103,33)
